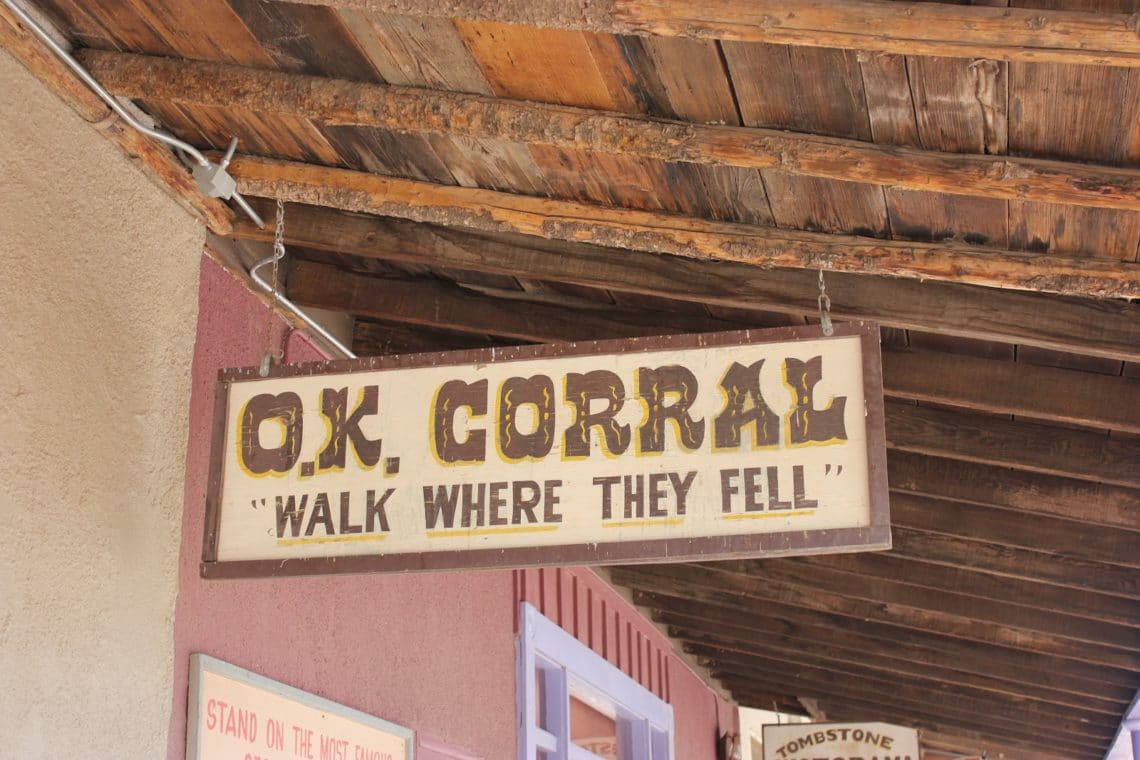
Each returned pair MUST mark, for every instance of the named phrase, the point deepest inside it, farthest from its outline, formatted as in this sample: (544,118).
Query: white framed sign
(840,741)
(235,714)
(744,444)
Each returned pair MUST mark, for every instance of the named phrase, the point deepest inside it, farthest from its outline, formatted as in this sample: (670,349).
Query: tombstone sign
(840,741)
(753,443)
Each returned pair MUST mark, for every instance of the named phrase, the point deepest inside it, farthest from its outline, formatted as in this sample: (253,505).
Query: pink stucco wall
(434,652)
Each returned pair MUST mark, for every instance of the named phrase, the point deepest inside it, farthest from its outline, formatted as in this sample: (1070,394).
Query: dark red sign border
(875,536)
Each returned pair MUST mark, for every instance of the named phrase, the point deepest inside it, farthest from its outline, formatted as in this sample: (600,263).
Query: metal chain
(824,302)
(272,353)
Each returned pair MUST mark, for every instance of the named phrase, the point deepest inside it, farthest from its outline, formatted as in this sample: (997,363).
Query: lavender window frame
(553,661)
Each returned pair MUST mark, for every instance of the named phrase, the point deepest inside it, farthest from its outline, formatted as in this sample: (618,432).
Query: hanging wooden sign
(745,444)
(840,741)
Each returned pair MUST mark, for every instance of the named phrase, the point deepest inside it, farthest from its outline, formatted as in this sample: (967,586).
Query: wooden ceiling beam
(1012,562)
(965,580)
(971,744)
(1049,535)
(737,643)
(656,232)
(1025,492)
(1086,455)
(870,707)
(435,303)
(1005,387)
(996,386)
(856,681)
(888,640)
(1000,387)
(154,160)
(905,28)
(707,584)
(1108,328)
(987,439)
(902,593)
(381,339)
(403,109)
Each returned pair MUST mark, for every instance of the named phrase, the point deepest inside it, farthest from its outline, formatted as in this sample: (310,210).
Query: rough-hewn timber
(494,211)
(1106,328)
(404,109)
(910,28)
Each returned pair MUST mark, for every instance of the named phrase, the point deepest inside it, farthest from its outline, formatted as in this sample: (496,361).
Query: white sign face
(238,715)
(723,445)
(840,741)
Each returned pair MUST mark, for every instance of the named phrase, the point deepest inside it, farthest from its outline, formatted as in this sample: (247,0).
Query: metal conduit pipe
(312,323)
(184,147)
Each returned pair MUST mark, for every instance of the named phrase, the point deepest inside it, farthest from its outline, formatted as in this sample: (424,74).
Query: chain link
(824,302)
(272,353)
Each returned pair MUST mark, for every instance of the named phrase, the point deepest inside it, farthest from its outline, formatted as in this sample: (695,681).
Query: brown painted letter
(450,396)
(517,392)
(806,424)
(285,407)
(345,427)
(654,386)
(580,391)
(745,405)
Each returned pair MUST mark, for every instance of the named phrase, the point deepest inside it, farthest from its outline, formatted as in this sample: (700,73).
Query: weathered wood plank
(407,109)
(895,27)
(1042,393)
(1091,503)
(752,634)
(438,304)
(964,580)
(900,689)
(1022,445)
(708,584)
(919,649)
(1065,538)
(971,743)
(992,386)
(493,211)
(371,338)
(154,160)
(1012,562)
(897,594)
(1097,328)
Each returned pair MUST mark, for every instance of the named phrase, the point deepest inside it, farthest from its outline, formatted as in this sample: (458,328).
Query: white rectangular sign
(840,741)
(234,714)
(756,443)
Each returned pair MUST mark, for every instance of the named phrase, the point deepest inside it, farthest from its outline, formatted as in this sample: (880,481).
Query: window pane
(593,731)
(540,699)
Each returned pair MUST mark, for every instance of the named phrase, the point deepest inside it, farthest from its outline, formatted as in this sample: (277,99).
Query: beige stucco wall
(98,299)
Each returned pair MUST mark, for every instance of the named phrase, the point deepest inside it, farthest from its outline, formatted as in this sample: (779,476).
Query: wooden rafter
(654,232)
(1098,328)
(153,159)
(402,109)
(1095,606)
(1034,493)
(910,28)
(955,551)
(766,634)
(919,648)
(1026,446)
(705,583)
(1001,387)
